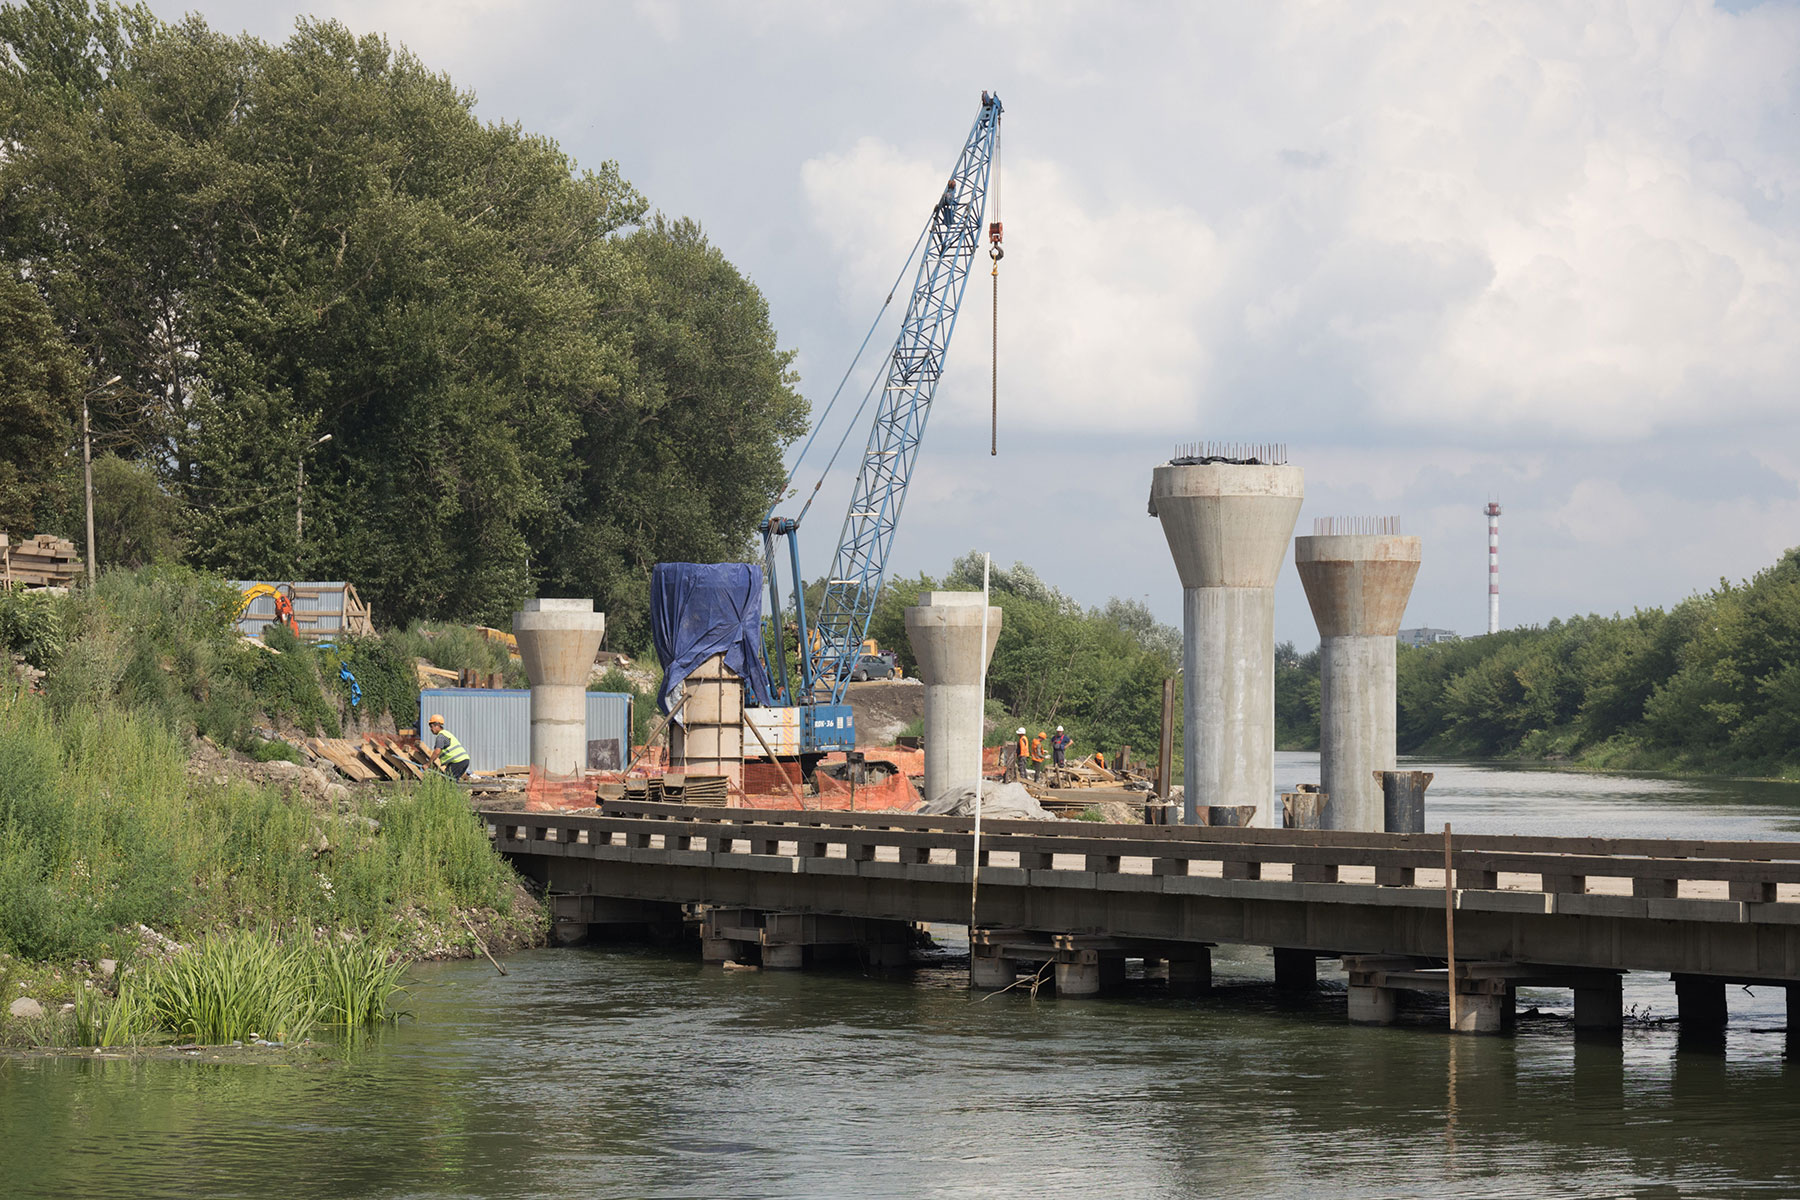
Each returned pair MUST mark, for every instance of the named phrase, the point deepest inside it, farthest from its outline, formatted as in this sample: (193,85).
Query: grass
(101,829)
(238,987)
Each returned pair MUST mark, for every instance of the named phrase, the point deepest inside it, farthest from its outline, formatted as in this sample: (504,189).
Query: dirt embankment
(884,708)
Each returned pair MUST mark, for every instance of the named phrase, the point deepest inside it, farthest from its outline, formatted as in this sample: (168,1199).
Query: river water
(633,1072)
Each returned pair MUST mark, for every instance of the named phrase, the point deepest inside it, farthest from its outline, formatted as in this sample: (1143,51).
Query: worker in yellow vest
(447,753)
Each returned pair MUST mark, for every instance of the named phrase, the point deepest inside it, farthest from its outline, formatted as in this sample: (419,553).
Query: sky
(1541,253)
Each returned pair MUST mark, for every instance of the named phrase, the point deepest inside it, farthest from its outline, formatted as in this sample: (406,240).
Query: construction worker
(447,754)
(284,609)
(1039,747)
(946,205)
(1021,750)
(1100,759)
(1059,747)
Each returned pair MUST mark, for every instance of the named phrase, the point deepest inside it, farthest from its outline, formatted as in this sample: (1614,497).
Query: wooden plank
(379,765)
(335,752)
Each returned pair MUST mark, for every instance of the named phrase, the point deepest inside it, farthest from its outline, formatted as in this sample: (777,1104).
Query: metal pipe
(775,611)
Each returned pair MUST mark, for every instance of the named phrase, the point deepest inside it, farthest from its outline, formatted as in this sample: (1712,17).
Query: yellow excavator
(284,604)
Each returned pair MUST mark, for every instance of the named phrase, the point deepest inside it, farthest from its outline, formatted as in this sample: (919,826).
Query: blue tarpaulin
(698,610)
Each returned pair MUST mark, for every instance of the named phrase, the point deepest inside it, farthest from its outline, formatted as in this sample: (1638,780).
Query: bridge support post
(1088,976)
(989,970)
(1371,1005)
(1601,1005)
(1700,1002)
(1484,1009)
(1793,1012)
(1295,970)
(1192,973)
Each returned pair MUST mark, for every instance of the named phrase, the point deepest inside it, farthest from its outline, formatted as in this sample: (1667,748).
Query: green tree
(40,397)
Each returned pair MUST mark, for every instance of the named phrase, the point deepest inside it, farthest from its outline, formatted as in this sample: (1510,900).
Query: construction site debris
(999,801)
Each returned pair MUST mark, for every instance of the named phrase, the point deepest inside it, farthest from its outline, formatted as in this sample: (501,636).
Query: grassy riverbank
(112,847)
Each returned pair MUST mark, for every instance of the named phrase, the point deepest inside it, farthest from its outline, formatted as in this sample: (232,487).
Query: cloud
(1100,305)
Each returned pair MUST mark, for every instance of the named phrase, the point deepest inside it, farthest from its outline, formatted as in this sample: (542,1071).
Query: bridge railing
(1654,868)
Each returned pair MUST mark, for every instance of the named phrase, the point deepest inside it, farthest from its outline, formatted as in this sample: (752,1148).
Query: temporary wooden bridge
(1083,897)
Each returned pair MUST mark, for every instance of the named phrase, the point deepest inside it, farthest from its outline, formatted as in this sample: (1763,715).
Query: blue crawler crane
(831,640)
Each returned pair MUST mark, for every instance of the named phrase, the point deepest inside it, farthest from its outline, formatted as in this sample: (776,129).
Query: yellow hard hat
(436,719)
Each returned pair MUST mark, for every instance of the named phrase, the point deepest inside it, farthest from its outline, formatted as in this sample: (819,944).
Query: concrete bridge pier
(557,641)
(583,918)
(1700,1002)
(1357,585)
(1296,970)
(1600,1005)
(1090,973)
(1192,973)
(791,941)
(945,630)
(1228,525)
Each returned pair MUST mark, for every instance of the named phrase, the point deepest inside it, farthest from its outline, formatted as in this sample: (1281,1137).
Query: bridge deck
(1721,909)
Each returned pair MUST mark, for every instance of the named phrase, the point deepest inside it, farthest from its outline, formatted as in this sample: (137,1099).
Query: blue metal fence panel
(494,725)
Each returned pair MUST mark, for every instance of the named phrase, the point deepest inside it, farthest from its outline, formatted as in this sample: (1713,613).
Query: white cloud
(1100,311)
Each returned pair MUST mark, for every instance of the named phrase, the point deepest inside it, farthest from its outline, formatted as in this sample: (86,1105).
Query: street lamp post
(300,487)
(87,471)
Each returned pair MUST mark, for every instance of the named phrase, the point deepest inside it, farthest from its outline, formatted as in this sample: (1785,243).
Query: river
(634,1072)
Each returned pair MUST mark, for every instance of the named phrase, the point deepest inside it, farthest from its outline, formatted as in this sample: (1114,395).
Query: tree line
(1712,684)
(499,374)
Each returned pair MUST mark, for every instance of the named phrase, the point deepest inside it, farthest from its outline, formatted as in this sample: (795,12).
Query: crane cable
(824,416)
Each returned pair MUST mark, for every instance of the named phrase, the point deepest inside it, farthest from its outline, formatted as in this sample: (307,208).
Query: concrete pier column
(1227,526)
(1700,1002)
(991,972)
(1089,976)
(1192,972)
(1793,1012)
(1295,970)
(784,956)
(1371,1005)
(1601,1004)
(557,641)
(1357,585)
(945,631)
(1483,1011)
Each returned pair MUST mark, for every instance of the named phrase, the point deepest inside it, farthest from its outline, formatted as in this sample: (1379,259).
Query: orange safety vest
(1024,747)
(1100,758)
(1037,749)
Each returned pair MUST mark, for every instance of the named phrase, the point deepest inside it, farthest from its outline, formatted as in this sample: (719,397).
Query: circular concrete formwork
(1228,526)
(945,631)
(557,641)
(1357,586)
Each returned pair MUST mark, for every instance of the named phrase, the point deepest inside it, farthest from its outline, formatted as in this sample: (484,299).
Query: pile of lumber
(377,758)
(42,561)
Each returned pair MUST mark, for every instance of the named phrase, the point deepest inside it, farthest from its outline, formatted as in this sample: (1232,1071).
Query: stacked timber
(377,758)
(42,561)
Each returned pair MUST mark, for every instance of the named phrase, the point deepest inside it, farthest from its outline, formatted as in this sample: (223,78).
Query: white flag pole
(980,772)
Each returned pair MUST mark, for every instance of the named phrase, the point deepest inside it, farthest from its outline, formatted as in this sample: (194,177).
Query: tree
(41,378)
(276,243)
